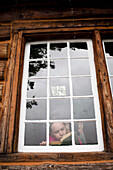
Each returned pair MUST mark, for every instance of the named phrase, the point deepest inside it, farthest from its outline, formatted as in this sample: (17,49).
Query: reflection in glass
(80,67)
(38,51)
(78,49)
(35,133)
(110,66)
(88,133)
(83,108)
(58,70)
(37,68)
(82,86)
(59,87)
(60,133)
(36,109)
(60,109)
(109,48)
(37,88)
(58,50)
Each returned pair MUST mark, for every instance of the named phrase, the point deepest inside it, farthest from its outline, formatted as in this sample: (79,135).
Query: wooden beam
(105,88)
(9,95)
(56,157)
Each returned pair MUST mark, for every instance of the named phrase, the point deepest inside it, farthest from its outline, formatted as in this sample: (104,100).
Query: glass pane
(82,86)
(110,66)
(78,49)
(109,49)
(83,108)
(38,68)
(111,78)
(60,133)
(56,67)
(58,50)
(35,133)
(60,109)
(38,51)
(59,87)
(36,109)
(37,88)
(80,67)
(85,133)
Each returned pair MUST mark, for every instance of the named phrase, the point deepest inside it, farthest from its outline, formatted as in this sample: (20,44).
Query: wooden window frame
(14,78)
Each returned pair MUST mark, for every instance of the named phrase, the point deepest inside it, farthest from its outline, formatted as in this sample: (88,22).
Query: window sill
(55,158)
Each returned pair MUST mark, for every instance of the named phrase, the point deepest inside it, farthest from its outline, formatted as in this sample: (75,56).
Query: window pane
(83,108)
(112,84)
(59,87)
(37,68)
(36,109)
(38,51)
(82,86)
(56,67)
(78,49)
(35,133)
(37,88)
(109,48)
(85,133)
(110,65)
(80,67)
(60,109)
(60,133)
(58,50)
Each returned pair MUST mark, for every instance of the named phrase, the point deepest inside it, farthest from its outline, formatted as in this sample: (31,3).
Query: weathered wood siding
(22,23)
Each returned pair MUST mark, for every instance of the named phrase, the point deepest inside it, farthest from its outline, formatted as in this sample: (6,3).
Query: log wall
(19,24)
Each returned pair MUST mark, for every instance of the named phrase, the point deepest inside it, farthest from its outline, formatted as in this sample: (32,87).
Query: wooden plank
(65,23)
(31,13)
(105,89)
(56,157)
(2,69)
(1,90)
(5,30)
(14,93)
(7,94)
(17,116)
(56,165)
(4,51)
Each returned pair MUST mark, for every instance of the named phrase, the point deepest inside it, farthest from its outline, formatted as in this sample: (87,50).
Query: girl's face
(58,130)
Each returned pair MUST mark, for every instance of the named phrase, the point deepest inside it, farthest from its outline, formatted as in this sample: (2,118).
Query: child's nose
(61,133)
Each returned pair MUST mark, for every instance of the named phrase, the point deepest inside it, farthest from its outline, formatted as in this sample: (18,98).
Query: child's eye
(62,129)
(56,132)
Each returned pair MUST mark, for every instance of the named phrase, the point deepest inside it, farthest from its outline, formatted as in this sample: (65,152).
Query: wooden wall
(24,22)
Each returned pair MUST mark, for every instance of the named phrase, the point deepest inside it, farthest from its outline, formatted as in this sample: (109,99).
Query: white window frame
(73,148)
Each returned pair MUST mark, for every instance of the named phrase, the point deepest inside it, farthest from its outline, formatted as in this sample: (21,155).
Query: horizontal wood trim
(56,165)
(56,157)
(102,23)
(4,51)
(46,13)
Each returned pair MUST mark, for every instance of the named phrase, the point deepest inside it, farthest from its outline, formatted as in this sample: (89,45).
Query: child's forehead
(57,124)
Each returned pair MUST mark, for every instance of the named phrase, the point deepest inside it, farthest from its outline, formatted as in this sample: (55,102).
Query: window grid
(71,97)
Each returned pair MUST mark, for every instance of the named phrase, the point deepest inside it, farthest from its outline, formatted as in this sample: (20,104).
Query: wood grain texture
(37,13)
(56,157)
(4,51)
(105,88)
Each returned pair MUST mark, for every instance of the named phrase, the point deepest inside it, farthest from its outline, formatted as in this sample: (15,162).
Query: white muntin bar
(71,93)
(48,72)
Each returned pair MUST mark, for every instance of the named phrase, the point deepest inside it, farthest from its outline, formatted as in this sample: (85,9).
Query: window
(59,97)
(108,50)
